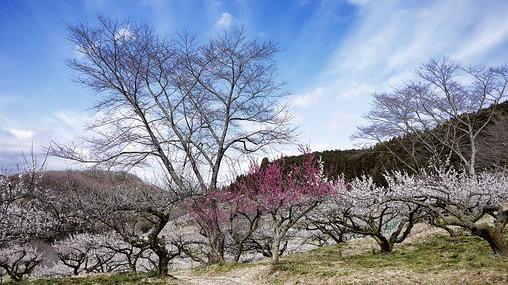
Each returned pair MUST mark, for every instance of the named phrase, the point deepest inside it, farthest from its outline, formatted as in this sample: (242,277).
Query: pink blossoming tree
(286,195)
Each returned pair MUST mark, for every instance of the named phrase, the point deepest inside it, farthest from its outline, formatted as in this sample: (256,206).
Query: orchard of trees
(193,109)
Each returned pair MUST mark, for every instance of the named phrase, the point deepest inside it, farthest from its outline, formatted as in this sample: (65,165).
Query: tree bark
(384,243)
(454,233)
(493,237)
(239,252)
(163,265)
(217,246)
(275,251)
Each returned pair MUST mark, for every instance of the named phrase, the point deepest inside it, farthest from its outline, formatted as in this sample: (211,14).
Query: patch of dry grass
(428,257)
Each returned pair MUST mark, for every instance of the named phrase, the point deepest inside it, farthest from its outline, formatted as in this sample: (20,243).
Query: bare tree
(190,106)
(440,115)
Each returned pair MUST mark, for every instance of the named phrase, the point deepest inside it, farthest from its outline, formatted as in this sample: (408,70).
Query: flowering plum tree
(210,216)
(22,219)
(131,254)
(286,197)
(136,212)
(244,218)
(237,217)
(85,253)
(19,260)
(322,225)
(459,199)
(364,208)
(21,216)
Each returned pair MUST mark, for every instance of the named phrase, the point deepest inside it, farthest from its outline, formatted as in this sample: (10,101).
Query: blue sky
(335,54)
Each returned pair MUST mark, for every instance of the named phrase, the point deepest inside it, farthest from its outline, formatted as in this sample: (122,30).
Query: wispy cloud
(307,99)
(359,2)
(17,136)
(385,44)
(224,21)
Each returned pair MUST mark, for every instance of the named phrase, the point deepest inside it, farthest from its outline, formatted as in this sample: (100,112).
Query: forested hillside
(376,160)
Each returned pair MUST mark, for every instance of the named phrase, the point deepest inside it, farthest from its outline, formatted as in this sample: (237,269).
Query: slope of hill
(374,161)
(428,257)
(88,179)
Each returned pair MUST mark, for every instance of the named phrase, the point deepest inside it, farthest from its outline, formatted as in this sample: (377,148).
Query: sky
(335,54)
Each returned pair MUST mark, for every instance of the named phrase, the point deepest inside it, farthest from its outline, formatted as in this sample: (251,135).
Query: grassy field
(434,259)
(112,279)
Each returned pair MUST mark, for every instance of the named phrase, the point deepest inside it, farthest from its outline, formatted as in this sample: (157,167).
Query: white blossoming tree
(364,208)
(21,217)
(22,220)
(88,253)
(19,260)
(136,212)
(460,199)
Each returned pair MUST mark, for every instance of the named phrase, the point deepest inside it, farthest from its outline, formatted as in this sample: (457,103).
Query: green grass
(435,260)
(434,256)
(109,279)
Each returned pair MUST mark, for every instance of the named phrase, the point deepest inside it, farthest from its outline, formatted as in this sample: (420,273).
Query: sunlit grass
(434,260)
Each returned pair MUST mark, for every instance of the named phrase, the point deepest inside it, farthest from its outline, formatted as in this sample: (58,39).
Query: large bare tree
(440,115)
(189,106)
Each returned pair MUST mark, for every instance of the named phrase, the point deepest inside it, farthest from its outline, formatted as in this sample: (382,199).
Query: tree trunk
(163,265)
(493,237)
(132,265)
(217,246)
(338,240)
(158,245)
(454,233)
(384,243)
(472,160)
(239,251)
(275,250)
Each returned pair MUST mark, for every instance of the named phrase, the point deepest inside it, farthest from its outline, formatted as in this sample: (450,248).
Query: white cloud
(342,122)
(385,44)
(224,21)
(355,89)
(359,2)
(22,134)
(307,99)
(489,33)
(71,118)
(302,3)
(19,136)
